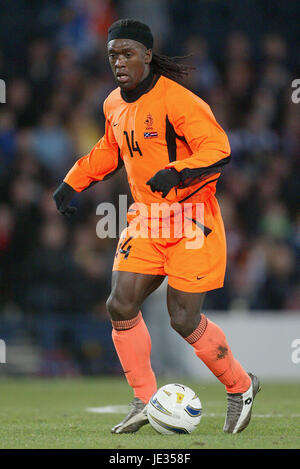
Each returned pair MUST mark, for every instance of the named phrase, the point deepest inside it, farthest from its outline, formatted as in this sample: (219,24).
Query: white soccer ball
(174,408)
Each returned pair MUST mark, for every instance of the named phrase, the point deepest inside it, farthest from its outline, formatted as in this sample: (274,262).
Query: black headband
(130,32)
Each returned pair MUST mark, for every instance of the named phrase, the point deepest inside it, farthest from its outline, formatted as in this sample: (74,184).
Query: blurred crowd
(53,60)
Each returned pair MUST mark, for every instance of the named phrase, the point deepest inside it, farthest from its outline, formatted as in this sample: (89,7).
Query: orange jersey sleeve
(193,120)
(100,163)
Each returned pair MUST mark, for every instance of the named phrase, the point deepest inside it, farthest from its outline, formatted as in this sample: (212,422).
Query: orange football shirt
(168,126)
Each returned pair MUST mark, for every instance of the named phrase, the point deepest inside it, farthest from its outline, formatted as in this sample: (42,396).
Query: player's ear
(148,56)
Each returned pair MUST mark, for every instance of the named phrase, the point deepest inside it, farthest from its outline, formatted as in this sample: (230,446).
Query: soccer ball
(174,408)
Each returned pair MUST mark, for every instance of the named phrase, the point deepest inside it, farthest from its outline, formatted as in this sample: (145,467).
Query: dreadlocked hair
(169,67)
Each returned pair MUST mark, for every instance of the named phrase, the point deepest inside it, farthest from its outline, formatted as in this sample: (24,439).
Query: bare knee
(121,309)
(184,310)
(184,322)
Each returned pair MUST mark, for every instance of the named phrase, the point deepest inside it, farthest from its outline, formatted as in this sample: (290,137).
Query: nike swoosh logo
(199,278)
(116,124)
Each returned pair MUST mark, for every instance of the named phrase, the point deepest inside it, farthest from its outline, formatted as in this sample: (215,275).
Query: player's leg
(195,268)
(211,346)
(137,271)
(129,290)
(130,334)
(207,339)
(132,340)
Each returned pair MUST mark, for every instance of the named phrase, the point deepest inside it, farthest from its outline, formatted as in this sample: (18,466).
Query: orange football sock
(133,345)
(210,345)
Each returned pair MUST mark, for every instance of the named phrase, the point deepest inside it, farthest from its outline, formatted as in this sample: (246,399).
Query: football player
(173,151)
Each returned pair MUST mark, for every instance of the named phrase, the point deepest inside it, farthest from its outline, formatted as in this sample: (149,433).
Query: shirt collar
(142,88)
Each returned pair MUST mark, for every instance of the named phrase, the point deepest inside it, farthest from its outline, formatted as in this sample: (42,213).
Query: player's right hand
(164,180)
(63,196)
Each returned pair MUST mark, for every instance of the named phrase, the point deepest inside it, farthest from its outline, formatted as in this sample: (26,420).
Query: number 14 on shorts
(125,248)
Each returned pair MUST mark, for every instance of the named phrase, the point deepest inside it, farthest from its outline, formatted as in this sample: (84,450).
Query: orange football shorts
(190,248)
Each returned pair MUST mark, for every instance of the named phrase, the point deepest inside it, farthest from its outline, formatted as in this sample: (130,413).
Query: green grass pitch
(43,413)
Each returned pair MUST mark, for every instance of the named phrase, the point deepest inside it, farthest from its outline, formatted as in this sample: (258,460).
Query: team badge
(149,122)
(149,127)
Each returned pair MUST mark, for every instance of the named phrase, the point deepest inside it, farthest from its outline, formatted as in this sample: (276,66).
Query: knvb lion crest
(149,127)
(149,122)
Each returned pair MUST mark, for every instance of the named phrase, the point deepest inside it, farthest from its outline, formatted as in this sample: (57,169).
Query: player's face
(129,61)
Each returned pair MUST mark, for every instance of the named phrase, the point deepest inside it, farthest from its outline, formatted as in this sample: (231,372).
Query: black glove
(63,196)
(164,180)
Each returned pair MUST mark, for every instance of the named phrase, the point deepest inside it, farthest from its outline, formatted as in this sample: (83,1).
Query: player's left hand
(164,180)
